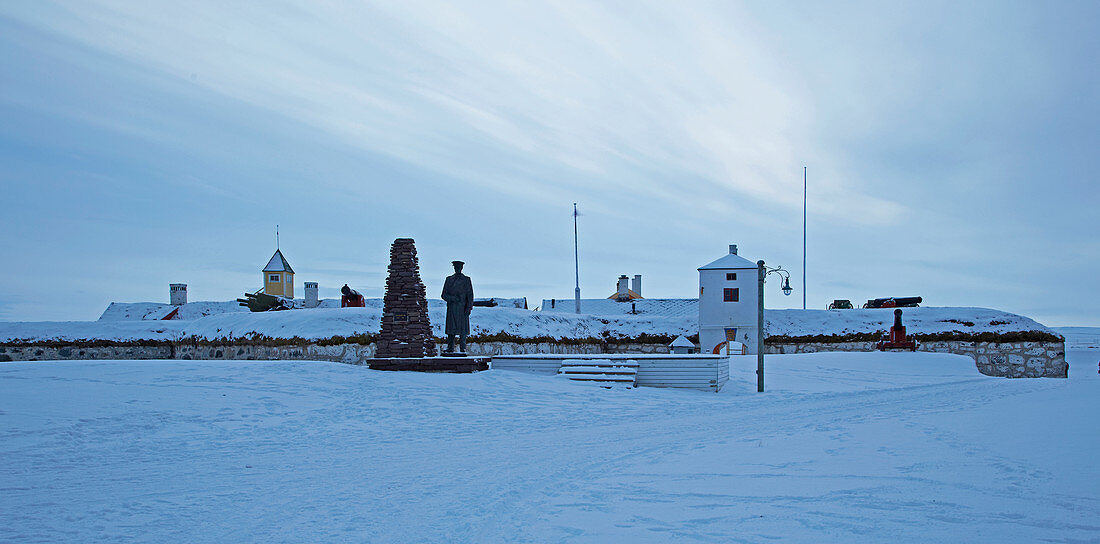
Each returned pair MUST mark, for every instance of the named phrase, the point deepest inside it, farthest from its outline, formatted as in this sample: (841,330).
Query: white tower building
(177,294)
(727,302)
(311,295)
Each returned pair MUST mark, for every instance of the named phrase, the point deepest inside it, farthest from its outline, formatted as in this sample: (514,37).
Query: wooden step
(625,363)
(601,378)
(607,371)
(622,371)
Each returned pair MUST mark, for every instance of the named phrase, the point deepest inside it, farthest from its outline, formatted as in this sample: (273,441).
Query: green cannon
(263,302)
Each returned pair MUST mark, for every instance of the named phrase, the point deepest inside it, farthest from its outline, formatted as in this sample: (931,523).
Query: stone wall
(355,354)
(513,348)
(50,353)
(343,353)
(1009,360)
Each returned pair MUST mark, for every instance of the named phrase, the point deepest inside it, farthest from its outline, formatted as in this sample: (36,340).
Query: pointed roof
(630,294)
(682,342)
(729,262)
(278,263)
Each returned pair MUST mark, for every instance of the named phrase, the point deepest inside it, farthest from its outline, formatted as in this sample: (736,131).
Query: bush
(957,322)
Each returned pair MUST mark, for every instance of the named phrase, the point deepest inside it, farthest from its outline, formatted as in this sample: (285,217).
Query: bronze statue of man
(458,291)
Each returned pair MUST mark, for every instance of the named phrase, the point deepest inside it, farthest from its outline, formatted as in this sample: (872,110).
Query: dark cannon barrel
(348,291)
(893,302)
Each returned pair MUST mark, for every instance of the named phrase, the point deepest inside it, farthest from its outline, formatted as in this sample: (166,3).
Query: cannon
(897,339)
(350,298)
(840,304)
(263,302)
(894,302)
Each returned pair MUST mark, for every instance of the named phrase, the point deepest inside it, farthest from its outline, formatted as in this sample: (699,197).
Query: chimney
(311,295)
(637,286)
(733,249)
(177,294)
(622,289)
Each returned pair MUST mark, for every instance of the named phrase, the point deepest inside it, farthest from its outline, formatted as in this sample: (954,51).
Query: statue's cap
(457,262)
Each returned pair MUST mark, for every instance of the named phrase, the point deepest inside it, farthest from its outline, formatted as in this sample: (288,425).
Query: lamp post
(762,273)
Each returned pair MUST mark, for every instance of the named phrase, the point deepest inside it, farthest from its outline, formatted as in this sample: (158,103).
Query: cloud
(527,100)
(678,128)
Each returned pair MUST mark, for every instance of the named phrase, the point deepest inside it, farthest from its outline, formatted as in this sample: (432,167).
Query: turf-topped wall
(1024,359)
(1010,354)
(342,352)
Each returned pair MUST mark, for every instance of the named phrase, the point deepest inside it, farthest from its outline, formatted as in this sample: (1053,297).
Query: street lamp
(761,274)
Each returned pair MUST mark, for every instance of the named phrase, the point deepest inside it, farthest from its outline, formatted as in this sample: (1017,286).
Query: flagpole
(576,261)
(803,237)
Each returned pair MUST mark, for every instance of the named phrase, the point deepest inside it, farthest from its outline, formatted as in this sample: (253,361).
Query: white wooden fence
(705,372)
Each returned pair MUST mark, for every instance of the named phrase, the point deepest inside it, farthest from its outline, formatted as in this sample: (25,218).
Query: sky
(950,148)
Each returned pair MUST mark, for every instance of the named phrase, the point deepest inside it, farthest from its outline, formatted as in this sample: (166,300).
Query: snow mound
(923,320)
(216,320)
(152,311)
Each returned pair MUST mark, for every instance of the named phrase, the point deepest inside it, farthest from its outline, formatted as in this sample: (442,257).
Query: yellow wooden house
(279,276)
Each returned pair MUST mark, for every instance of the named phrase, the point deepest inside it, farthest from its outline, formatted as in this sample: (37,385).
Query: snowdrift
(225,320)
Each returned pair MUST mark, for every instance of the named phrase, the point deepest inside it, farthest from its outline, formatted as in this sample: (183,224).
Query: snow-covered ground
(1080,337)
(213,320)
(858,447)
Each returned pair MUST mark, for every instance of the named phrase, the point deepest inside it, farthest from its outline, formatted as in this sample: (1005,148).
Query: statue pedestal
(452,354)
(453,364)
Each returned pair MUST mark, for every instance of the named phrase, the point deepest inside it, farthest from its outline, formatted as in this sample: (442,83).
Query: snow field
(867,447)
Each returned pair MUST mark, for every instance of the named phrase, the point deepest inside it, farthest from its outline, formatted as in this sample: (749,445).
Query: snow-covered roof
(278,263)
(151,311)
(682,342)
(675,307)
(729,262)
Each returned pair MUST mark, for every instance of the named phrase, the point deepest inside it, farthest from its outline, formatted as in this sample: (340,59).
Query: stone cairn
(406,330)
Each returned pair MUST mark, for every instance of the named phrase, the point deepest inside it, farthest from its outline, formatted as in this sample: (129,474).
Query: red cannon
(350,298)
(897,340)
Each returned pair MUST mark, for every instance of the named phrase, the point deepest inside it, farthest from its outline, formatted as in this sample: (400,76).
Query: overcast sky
(951,148)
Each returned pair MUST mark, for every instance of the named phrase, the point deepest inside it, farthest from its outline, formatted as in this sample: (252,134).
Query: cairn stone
(406,330)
